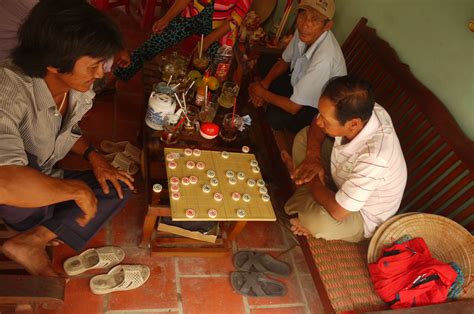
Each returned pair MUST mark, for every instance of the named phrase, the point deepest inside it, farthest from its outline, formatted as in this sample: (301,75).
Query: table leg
(148,226)
(235,230)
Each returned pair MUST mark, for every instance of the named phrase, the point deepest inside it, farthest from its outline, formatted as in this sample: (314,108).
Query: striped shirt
(370,171)
(30,123)
(232,11)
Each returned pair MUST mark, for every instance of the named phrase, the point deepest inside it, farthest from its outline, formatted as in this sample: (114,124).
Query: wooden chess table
(156,171)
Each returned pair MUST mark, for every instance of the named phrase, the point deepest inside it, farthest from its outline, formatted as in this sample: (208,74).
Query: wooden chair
(21,292)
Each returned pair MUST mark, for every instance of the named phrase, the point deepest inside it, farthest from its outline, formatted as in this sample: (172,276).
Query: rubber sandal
(260,262)
(120,278)
(124,147)
(104,257)
(256,285)
(123,163)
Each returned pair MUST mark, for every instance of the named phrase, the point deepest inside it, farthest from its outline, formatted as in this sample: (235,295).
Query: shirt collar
(309,52)
(44,99)
(367,131)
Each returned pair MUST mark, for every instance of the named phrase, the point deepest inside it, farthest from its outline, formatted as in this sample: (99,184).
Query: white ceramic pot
(159,105)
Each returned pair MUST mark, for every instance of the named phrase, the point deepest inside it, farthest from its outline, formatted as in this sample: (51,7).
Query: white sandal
(120,278)
(122,162)
(125,147)
(104,257)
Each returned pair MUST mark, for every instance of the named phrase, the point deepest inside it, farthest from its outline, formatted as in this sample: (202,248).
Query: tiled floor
(176,285)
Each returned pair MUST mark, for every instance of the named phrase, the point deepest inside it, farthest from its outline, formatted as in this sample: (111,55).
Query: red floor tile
(312,298)
(261,235)
(279,310)
(130,107)
(79,299)
(205,265)
(159,292)
(129,131)
(127,225)
(99,120)
(300,261)
(210,295)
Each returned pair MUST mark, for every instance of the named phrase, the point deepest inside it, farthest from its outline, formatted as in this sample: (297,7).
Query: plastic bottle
(201,90)
(223,60)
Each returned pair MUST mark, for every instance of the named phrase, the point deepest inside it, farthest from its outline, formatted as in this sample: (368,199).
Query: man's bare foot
(54,242)
(287,160)
(28,249)
(297,228)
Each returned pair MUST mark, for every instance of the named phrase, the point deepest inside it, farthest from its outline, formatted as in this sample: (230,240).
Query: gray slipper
(256,285)
(260,262)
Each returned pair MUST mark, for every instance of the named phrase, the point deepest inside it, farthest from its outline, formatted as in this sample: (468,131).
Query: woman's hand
(160,25)
(122,58)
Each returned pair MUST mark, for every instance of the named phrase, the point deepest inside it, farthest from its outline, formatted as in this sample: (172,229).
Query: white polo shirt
(370,171)
(313,67)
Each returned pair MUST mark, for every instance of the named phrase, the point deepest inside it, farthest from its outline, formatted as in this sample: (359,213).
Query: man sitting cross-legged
(349,185)
(45,90)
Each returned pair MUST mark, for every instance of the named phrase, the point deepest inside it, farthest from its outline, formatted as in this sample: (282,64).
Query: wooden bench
(440,161)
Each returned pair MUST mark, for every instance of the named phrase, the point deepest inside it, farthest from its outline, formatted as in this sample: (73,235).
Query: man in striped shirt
(347,188)
(44,92)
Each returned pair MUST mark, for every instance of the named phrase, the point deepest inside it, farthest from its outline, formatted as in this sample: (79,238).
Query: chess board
(258,208)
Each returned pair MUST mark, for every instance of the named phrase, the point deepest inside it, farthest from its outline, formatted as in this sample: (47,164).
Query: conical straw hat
(378,233)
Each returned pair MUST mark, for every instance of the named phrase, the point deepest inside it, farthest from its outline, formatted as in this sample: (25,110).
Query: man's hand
(122,59)
(256,91)
(86,200)
(160,25)
(307,170)
(104,172)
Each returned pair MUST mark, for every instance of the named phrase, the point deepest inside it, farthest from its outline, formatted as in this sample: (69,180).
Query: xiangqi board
(215,185)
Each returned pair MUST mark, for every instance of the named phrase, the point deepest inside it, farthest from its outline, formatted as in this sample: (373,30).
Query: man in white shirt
(346,191)
(293,85)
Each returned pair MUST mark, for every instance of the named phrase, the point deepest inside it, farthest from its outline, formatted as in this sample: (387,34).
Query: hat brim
(308,7)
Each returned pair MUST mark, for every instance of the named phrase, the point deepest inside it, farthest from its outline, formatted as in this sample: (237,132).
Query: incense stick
(190,86)
(169,80)
(181,106)
(233,111)
(200,48)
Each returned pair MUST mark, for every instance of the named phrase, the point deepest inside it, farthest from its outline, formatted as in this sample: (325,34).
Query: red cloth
(402,275)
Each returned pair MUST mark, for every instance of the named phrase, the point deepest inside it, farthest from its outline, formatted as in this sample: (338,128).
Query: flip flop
(122,162)
(104,257)
(120,278)
(260,262)
(256,285)
(125,147)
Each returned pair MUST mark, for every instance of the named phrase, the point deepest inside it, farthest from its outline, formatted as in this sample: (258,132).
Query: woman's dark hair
(58,32)
(352,96)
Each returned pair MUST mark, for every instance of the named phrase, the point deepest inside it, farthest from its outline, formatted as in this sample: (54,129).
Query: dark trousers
(278,118)
(61,218)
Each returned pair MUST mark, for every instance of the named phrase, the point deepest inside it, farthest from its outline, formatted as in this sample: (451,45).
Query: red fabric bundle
(407,275)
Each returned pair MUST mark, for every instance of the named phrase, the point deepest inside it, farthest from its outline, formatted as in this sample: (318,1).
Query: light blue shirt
(313,67)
